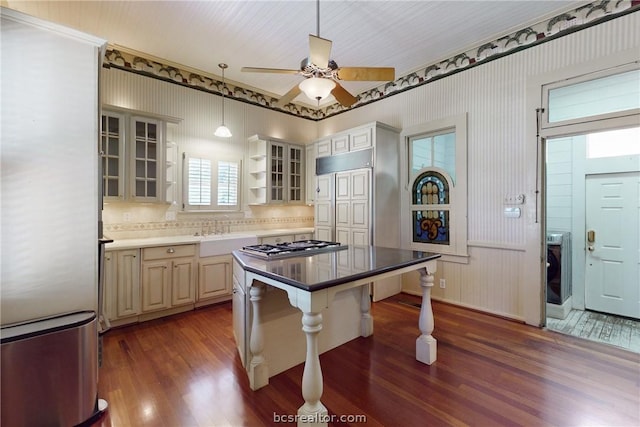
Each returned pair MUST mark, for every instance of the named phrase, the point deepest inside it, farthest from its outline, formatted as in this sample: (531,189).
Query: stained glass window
(431,224)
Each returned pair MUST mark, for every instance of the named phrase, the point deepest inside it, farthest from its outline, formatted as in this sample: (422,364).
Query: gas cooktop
(288,249)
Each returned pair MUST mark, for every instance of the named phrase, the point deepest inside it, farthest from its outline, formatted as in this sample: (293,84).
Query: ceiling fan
(322,74)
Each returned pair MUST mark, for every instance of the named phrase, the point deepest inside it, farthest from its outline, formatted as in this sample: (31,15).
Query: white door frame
(534,268)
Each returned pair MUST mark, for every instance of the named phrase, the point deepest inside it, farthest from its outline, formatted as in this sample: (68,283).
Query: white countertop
(186,239)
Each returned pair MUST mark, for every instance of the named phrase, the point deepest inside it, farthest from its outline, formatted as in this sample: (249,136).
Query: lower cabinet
(122,285)
(168,277)
(239,305)
(214,279)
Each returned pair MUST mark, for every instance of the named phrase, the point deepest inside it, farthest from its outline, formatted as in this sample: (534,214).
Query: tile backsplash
(133,221)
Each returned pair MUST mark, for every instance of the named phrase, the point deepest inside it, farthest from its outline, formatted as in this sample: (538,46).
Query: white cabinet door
(295,178)
(310,174)
(361,139)
(343,186)
(359,213)
(324,187)
(340,144)
(343,236)
(156,285)
(360,184)
(128,283)
(324,216)
(239,313)
(183,281)
(110,285)
(214,278)
(324,233)
(276,178)
(343,216)
(323,148)
(359,237)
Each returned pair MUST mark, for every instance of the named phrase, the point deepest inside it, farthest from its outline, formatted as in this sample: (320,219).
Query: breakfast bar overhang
(311,282)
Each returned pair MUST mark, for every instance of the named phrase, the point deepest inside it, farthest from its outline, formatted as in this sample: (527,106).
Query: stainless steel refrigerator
(50,222)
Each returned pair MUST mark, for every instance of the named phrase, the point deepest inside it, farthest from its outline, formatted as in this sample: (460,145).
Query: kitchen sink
(223,244)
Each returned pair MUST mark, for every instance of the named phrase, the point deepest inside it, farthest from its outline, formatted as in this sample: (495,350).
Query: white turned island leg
(426,345)
(313,412)
(366,321)
(258,369)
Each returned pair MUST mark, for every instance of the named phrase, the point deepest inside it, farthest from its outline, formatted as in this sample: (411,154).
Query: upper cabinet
(138,163)
(276,171)
(344,142)
(147,160)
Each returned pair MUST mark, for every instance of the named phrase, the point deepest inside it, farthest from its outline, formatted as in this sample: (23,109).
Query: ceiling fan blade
(384,74)
(319,51)
(288,97)
(268,70)
(343,97)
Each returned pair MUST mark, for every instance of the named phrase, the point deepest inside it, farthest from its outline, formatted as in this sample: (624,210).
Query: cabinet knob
(170,250)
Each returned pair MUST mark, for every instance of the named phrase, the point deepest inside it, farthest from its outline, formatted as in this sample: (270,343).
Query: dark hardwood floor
(184,371)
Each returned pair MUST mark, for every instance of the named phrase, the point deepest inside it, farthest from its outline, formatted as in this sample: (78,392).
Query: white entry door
(612,276)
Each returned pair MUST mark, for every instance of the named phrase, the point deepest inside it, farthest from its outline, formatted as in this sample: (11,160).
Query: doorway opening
(592,199)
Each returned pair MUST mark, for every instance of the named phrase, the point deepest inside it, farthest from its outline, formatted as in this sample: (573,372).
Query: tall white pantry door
(612,277)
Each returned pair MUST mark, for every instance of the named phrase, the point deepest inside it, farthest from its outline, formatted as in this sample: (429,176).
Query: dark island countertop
(312,272)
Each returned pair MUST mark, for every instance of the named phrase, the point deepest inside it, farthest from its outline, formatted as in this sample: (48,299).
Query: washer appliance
(558,267)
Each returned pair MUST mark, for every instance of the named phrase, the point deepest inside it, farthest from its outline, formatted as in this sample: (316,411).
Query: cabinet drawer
(276,239)
(168,252)
(306,236)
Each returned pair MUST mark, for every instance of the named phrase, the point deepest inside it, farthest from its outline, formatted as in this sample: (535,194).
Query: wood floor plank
(185,371)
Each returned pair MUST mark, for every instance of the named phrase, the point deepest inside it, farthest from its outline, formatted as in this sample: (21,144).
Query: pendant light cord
(223,66)
(318,18)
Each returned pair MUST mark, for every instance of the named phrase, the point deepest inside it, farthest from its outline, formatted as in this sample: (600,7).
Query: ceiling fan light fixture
(223,131)
(317,87)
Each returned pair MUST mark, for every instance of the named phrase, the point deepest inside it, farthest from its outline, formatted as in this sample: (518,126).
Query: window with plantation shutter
(199,186)
(227,183)
(210,184)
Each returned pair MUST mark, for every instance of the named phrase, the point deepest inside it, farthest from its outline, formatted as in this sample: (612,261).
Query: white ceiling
(407,35)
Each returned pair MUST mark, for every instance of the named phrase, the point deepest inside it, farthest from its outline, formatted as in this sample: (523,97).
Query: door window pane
(620,142)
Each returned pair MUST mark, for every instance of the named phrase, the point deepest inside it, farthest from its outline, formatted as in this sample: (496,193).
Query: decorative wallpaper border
(566,23)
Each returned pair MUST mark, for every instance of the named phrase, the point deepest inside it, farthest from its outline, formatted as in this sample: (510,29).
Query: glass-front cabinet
(112,148)
(275,171)
(277,176)
(133,158)
(147,158)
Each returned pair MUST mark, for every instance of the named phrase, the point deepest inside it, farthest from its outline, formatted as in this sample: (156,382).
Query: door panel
(342,213)
(613,250)
(323,214)
(360,185)
(343,190)
(360,213)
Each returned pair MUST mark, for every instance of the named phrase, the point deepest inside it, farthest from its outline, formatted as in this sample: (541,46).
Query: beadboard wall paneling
(200,113)
(494,96)
(490,282)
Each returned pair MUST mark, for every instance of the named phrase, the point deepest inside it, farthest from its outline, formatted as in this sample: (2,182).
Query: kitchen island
(313,283)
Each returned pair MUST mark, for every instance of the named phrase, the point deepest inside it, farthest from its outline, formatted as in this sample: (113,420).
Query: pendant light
(223,131)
